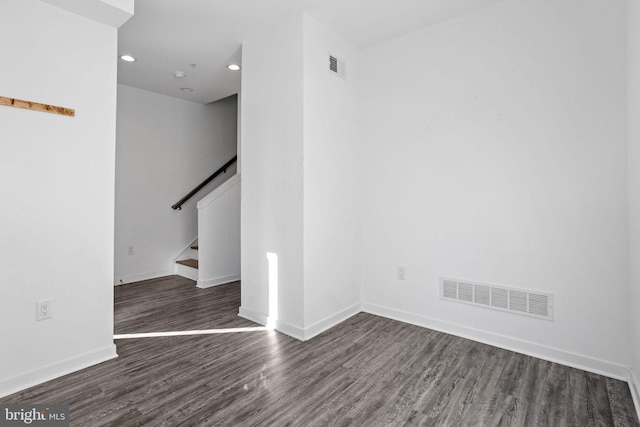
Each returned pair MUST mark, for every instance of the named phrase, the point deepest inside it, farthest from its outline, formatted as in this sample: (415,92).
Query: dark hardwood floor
(367,371)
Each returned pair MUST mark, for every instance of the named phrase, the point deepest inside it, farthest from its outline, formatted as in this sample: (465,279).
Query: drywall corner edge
(108,12)
(634,387)
(259,318)
(331,321)
(218,192)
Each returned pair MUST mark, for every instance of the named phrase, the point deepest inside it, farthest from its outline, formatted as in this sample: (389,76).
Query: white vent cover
(518,301)
(337,66)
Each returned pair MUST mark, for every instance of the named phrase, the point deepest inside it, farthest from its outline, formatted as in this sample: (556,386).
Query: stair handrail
(223,169)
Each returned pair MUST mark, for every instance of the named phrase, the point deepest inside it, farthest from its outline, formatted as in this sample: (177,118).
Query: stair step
(194,247)
(193,263)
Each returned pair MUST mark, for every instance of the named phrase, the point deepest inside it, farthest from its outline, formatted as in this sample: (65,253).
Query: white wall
(271,154)
(633,160)
(56,224)
(494,145)
(165,147)
(332,230)
(219,235)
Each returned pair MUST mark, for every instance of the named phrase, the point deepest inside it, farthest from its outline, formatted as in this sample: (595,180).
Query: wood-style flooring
(367,371)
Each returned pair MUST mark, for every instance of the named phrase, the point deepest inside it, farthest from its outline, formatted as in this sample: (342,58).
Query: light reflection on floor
(194,332)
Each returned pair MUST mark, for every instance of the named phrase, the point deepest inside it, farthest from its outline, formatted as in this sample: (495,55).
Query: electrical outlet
(131,250)
(401,272)
(44,310)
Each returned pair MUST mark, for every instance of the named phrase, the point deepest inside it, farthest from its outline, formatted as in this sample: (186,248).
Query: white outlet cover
(44,310)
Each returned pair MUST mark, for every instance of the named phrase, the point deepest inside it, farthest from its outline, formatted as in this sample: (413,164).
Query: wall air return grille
(519,301)
(333,64)
(482,295)
(499,298)
(465,292)
(337,66)
(450,289)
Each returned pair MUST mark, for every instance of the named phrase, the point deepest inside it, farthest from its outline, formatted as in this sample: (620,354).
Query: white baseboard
(123,280)
(331,321)
(292,330)
(41,375)
(586,363)
(204,284)
(634,387)
(280,326)
(302,334)
(259,318)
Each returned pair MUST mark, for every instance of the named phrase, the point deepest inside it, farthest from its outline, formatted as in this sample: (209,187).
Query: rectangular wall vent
(519,301)
(333,64)
(337,66)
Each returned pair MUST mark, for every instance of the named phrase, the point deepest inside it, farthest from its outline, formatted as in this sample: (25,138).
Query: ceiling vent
(518,301)
(337,67)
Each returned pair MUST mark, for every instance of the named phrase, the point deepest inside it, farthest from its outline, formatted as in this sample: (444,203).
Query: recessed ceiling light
(179,75)
(128,58)
(233,67)
(186,89)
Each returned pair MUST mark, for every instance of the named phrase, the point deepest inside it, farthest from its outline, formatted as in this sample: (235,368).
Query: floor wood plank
(367,371)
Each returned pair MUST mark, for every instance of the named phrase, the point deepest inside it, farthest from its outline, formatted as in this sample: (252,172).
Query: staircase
(219,233)
(187,265)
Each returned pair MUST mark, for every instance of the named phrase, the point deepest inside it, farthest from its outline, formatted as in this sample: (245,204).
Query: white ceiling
(170,35)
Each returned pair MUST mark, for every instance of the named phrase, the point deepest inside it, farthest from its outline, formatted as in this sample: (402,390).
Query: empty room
(320,212)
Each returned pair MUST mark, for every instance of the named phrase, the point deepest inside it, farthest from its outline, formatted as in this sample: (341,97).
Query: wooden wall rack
(35,106)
